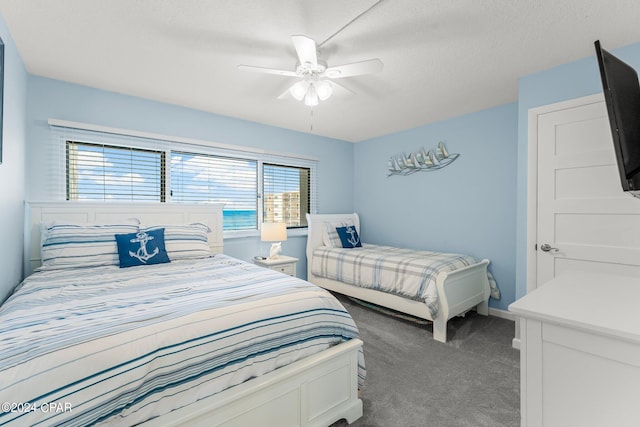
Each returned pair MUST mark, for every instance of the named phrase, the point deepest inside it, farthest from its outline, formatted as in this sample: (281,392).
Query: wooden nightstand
(283,264)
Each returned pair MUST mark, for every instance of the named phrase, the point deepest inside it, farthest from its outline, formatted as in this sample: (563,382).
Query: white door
(584,220)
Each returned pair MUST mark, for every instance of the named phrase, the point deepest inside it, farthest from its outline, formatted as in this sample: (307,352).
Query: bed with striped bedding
(106,345)
(405,272)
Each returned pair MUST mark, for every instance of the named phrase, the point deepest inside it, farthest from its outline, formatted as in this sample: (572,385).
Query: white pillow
(45,226)
(330,236)
(185,241)
(81,245)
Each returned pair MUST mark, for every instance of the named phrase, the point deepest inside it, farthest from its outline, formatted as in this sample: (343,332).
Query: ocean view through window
(239,219)
(200,178)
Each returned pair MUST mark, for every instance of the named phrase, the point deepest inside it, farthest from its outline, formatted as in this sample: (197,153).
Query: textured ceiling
(442,58)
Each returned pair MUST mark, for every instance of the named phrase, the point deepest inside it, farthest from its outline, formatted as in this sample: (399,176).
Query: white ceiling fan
(316,80)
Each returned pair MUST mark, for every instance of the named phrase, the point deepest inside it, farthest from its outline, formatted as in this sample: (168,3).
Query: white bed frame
(458,291)
(313,392)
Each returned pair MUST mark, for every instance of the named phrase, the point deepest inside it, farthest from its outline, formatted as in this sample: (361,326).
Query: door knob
(547,248)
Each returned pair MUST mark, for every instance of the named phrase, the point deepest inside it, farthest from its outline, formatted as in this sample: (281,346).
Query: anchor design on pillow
(353,239)
(142,254)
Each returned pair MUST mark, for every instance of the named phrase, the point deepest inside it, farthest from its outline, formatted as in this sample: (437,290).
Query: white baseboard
(515,343)
(502,313)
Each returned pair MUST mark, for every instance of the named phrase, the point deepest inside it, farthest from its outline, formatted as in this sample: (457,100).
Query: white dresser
(580,352)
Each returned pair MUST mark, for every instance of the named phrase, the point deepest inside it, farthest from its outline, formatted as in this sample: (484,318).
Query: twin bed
(430,285)
(204,339)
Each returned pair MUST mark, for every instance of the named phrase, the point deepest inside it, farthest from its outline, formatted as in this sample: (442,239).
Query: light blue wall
(12,169)
(55,99)
(477,205)
(467,207)
(569,81)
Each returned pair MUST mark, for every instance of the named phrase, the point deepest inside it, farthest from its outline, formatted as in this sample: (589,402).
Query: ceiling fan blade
(286,94)
(306,50)
(267,70)
(340,90)
(354,69)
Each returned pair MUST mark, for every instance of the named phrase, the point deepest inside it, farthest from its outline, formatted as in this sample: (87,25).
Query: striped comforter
(405,272)
(105,345)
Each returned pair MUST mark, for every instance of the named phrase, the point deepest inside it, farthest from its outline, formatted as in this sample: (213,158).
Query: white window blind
(105,172)
(96,162)
(201,178)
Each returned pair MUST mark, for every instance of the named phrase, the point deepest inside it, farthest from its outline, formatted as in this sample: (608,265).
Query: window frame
(61,131)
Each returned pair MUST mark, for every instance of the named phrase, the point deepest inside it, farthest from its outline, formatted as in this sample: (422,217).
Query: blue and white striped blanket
(405,272)
(105,345)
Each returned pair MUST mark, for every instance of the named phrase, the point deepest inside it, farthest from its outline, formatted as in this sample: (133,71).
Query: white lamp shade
(273,232)
(311,91)
(311,99)
(324,89)
(299,90)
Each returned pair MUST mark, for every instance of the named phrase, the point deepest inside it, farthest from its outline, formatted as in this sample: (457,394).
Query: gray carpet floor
(472,380)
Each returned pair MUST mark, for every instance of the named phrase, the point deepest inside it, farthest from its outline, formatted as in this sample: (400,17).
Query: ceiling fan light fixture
(299,90)
(311,98)
(324,89)
(315,82)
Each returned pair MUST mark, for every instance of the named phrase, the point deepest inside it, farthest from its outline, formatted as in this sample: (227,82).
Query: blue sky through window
(114,173)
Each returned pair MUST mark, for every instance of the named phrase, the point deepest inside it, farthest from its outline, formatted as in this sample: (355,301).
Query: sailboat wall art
(421,161)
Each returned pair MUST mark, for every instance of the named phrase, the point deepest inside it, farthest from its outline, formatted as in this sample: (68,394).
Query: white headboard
(314,222)
(103,212)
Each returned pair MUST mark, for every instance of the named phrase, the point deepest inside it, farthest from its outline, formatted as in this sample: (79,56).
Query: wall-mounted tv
(622,97)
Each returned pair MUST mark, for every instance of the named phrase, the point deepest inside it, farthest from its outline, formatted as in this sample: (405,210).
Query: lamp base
(274,252)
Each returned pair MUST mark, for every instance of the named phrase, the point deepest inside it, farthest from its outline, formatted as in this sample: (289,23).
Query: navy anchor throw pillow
(142,248)
(349,237)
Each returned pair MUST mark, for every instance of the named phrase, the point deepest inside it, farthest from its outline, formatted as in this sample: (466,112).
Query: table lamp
(274,232)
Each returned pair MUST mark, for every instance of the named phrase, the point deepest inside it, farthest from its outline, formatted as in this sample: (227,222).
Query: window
(100,163)
(286,194)
(200,178)
(101,172)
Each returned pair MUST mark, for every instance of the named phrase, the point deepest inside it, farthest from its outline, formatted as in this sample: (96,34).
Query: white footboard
(460,291)
(313,392)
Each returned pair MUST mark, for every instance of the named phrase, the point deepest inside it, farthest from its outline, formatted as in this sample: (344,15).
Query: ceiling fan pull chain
(311,130)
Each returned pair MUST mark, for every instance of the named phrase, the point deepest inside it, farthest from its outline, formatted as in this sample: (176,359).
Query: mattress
(408,273)
(118,346)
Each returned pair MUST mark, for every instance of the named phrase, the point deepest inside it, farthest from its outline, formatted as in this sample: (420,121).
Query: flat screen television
(622,97)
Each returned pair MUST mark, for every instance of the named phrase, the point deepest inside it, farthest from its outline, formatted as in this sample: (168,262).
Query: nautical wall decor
(422,160)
